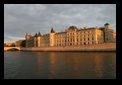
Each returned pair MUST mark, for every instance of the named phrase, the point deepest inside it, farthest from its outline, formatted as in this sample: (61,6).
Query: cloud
(32,18)
(15,38)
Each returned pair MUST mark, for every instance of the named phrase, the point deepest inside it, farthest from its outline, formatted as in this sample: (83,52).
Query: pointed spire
(52,31)
(35,35)
(39,34)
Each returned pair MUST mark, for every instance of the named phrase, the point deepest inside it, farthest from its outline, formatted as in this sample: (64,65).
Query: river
(59,65)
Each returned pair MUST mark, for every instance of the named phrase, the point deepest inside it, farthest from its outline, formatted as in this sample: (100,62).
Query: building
(18,43)
(73,36)
(9,44)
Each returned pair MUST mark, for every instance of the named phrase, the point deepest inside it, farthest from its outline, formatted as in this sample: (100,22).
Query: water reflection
(61,65)
(39,58)
(53,65)
(98,66)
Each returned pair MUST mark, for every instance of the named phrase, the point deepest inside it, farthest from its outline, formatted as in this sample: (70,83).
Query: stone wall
(95,47)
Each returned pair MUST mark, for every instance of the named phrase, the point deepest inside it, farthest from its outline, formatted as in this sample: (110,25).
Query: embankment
(94,47)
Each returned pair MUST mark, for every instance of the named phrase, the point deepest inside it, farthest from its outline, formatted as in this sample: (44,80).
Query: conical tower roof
(39,34)
(52,31)
(35,35)
(107,24)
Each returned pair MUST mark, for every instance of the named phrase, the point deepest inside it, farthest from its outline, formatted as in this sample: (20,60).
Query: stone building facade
(72,36)
(18,43)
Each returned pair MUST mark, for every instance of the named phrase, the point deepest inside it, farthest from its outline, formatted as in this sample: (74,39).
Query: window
(80,39)
(88,38)
(92,38)
(84,43)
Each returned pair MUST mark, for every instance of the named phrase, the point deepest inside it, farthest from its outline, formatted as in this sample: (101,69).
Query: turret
(107,26)
(39,34)
(35,35)
(39,39)
(106,32)
(52,33)
(26,38)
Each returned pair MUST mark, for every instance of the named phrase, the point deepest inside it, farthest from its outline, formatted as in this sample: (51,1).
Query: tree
(23,43)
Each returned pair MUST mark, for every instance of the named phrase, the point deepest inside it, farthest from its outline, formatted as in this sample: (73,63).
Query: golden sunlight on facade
(73,36)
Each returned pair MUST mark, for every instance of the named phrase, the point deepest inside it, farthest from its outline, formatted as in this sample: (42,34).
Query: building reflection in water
(60,65)
(98,65)
(39,63)
(39,58)
(52,66)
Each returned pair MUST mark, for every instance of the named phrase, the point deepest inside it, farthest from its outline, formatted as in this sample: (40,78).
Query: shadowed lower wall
(95,47)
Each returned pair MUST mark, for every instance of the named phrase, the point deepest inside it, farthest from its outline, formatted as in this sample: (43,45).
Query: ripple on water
(59,65)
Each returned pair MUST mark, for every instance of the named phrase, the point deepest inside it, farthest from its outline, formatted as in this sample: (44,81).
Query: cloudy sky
(32,18)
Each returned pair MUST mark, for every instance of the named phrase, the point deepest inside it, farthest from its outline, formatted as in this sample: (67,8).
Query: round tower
(107,27)
(26,38)
(39,39)
(52,33)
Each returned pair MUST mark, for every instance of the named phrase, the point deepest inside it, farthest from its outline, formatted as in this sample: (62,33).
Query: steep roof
(72,28)
(60,33)
(35,35)
(52,31)
(39,34)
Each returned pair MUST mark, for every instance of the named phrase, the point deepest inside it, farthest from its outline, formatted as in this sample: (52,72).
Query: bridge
(9,48)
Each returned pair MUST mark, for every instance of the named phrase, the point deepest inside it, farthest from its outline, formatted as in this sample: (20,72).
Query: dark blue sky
(31,18)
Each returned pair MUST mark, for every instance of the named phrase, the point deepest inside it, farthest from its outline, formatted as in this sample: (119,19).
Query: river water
(59,65)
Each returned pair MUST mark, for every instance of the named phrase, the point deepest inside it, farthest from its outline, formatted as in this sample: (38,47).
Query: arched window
(84,43)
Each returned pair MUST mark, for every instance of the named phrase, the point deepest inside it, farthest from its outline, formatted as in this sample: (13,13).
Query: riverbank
(93,47)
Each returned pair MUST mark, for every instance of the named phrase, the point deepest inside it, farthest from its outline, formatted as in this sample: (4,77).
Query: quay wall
(93,47)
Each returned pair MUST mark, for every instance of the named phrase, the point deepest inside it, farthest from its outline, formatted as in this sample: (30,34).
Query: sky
(33,18)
